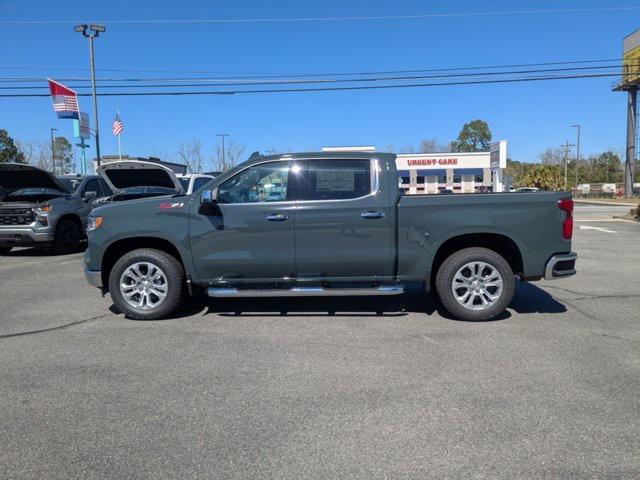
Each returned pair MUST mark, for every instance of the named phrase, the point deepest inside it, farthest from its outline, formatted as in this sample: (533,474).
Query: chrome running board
(303,292)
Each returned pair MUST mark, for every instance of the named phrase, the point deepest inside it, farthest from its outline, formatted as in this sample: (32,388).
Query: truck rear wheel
(146,284)
(475,284)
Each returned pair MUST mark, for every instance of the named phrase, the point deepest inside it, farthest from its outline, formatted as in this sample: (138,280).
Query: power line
(325,81)
(328,19)
(328,89)
(299,75)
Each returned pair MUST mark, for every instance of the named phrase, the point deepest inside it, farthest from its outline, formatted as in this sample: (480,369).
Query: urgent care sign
(438,161)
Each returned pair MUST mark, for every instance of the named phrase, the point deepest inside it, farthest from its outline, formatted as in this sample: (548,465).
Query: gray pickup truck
(326,224)
(39,209)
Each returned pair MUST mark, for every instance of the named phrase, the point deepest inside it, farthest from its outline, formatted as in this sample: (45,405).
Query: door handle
(372,215)
(277,217)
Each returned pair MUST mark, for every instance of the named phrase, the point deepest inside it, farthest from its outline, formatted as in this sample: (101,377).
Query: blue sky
(530,116)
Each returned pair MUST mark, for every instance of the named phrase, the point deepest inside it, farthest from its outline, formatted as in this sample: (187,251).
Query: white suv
(192,181)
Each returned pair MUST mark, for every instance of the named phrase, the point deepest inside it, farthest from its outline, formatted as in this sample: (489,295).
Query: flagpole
(119,148)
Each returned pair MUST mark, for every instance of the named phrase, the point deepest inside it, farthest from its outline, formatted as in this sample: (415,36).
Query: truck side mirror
(209,203)
(209,196)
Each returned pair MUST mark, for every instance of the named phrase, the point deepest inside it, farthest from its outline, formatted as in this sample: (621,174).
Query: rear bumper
(560,265)
(94,277)
(24,236)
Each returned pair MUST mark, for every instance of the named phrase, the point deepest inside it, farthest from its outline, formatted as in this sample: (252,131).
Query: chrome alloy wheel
(143,285)
(477,285)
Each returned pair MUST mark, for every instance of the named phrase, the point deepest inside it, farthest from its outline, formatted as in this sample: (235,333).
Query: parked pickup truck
(315,224)
(40,209)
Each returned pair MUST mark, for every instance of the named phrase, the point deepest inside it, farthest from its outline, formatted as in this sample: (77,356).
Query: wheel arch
(122,246)
(70,216)
(499,243)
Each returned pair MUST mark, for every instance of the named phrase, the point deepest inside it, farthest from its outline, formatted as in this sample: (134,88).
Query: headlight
(44,209)
(93,223)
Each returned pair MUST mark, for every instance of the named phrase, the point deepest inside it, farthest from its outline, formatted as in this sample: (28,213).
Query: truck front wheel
(68,235)
(475,284)
(146,284)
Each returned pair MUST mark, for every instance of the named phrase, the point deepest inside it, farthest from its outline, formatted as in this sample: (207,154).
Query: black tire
(5,250)
(173,272)
(449,268)
(68,237)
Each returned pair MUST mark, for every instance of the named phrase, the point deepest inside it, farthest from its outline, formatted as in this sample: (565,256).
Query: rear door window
(338,179)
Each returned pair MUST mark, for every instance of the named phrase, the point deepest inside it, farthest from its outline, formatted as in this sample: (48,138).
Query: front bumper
(560,265)
(94,277)
(17,236)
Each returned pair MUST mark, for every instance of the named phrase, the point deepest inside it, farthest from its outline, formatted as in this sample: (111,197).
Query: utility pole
(224,160)
(53,150)
(577,152)
(566,147)
(629,164)
(91,31)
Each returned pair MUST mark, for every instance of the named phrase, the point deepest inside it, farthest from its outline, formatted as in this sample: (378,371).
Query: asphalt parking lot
(326,388)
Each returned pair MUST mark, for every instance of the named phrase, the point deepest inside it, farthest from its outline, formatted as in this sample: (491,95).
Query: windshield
(72,184)
(141,192)
(35,194)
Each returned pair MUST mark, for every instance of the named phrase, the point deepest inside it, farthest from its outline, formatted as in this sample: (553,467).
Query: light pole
(53,150)
(91,31)
(224,160)
(577,153)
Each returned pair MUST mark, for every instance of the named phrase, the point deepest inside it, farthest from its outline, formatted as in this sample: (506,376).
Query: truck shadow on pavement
(41,252)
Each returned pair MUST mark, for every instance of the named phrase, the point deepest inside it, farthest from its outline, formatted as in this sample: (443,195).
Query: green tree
(518,171)
(544,177)
(9,152)
(63,155)
(606,168)
(475,136)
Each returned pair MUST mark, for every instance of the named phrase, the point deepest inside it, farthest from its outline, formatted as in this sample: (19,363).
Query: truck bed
(531,220)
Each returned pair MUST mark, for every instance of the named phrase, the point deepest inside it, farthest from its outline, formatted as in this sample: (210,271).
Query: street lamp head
(97,29)
(81,29)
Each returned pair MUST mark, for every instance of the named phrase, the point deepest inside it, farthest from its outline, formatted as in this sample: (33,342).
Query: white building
(458,172)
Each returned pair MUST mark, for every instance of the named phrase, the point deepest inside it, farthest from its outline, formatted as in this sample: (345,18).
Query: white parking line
(600,229)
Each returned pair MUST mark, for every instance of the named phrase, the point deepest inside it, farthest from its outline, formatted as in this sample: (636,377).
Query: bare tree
(191,155)
(28,149)
(431,145)
(37,153)
(407,149)
(232,153)
(552,156)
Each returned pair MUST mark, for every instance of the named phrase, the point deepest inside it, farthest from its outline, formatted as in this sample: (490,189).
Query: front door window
(266,182)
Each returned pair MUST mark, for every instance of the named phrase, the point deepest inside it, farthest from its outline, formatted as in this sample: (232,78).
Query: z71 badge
(171,205)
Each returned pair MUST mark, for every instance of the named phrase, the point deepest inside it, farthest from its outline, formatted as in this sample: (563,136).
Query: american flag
(117,128)
(65,100)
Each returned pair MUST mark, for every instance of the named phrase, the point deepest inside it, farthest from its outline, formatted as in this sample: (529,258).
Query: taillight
(566,205)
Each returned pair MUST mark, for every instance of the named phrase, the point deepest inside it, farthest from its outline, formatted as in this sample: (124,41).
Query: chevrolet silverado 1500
(315,224)
(39,209)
